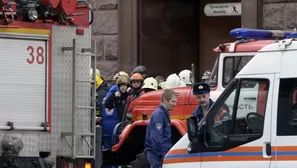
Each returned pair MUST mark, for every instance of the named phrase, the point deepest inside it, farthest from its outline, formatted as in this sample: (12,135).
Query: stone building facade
(279,14)
(121,43)
(105,31)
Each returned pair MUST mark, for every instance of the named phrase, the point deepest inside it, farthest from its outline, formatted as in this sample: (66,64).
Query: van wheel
(141,161)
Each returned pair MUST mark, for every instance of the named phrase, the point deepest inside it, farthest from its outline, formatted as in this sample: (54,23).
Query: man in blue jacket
(109,119)
(158,132)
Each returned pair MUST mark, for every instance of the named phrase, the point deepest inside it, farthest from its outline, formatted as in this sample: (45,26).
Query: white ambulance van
(265,137)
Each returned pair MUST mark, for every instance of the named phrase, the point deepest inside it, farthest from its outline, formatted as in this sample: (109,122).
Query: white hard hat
(172,81)
(206,75)
(185,76)
(182,84)
(150,83)
(121,73)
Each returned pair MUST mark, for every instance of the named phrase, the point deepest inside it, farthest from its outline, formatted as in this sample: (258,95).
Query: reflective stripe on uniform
(218,117)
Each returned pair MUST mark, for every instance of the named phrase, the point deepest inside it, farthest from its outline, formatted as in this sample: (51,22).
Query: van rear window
(287,107)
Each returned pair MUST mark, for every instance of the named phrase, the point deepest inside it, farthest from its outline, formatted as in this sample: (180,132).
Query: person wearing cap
(202,92)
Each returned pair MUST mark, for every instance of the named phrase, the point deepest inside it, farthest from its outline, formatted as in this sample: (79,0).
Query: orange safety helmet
(136,77)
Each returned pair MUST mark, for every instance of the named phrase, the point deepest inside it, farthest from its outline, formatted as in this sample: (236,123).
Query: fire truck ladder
(90,52)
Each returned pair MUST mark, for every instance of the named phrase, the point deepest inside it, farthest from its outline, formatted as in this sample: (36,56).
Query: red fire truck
(46,117)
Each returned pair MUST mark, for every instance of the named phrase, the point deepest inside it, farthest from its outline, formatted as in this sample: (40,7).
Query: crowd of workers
(115,102)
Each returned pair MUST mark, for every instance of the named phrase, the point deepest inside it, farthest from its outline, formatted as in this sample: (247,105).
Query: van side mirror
(192,126)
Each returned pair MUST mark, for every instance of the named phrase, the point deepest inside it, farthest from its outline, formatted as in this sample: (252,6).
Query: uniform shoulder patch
(158,126)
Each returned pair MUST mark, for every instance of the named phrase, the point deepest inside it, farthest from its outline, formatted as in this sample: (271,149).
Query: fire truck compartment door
(23,83)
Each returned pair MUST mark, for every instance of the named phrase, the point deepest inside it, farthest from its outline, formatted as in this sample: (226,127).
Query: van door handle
(250,98)
(267,150)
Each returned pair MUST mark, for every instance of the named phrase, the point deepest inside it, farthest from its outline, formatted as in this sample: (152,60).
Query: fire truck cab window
(232,65)
(287,107)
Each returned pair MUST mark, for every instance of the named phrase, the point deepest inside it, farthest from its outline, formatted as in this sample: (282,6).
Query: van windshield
(239,112)
(231,66)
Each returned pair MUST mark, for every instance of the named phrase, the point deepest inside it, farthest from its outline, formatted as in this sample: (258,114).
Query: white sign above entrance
(223,9)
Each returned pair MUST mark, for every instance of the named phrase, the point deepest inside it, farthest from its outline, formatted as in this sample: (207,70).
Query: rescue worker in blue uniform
(202,92)
(158,132)
(109,119)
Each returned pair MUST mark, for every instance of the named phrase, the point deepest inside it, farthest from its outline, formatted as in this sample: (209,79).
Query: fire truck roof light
(261,34)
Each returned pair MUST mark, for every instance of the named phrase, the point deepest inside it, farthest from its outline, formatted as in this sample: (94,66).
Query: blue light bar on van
(292,35)
(261,34)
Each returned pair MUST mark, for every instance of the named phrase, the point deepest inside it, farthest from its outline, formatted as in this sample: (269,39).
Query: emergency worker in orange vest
(202,92)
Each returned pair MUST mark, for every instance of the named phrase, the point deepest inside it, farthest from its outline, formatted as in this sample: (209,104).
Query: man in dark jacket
(134,93)
(202,92)
(158,132)
(118,99)
(101,89)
